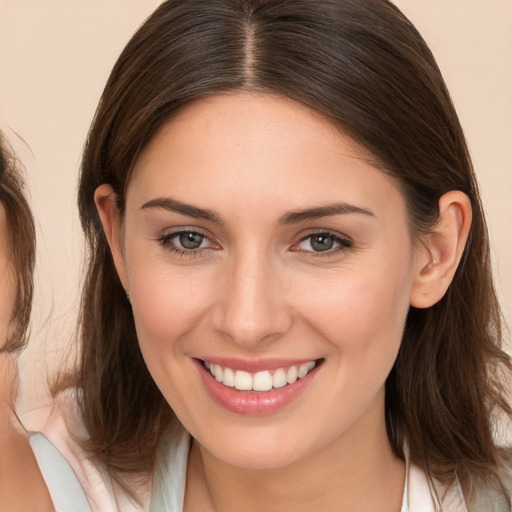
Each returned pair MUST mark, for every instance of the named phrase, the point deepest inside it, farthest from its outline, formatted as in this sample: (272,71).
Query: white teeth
(229,378)
(291,374)
(243,381)
(305,369)
(262,381)
(259,381)
(279,378)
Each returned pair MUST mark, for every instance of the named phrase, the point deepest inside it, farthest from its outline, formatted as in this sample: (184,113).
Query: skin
(257,290)
(22,487)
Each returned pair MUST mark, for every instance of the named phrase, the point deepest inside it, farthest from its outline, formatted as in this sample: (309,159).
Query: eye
(322,243)
(190,240)
(186,242)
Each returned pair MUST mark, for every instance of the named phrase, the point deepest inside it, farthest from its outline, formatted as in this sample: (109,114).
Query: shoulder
(63,486)
(66,431)
(428,495)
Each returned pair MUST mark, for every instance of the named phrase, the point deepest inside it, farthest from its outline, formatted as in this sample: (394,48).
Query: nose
(252,308)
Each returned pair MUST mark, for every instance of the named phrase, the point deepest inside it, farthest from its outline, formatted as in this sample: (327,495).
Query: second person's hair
(21,244)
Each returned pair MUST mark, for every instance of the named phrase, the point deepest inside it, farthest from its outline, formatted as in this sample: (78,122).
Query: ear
(439,252)
(106,204)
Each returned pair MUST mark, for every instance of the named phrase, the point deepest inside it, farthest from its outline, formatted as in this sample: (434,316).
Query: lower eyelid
(183,253)
(338,252)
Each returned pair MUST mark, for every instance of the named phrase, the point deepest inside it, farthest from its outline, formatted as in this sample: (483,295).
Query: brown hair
(366,68)
(21,245)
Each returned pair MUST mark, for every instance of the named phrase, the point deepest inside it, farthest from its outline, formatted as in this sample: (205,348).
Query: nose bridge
(252,307)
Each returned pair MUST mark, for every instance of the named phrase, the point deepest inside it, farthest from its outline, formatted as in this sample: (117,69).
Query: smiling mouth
(260,381)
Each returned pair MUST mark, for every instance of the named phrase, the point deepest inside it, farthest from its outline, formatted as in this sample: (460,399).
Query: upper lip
(255,365)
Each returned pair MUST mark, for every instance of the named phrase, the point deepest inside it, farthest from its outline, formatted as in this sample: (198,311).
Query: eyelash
(344,244)
(166,241)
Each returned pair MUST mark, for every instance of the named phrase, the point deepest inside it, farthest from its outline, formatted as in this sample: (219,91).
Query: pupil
(191,240)
(322,242)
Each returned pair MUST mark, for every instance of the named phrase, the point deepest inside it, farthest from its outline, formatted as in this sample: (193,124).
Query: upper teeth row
(260,381)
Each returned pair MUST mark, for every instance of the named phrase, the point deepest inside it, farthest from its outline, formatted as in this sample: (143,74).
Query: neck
(358,472)
(21,484)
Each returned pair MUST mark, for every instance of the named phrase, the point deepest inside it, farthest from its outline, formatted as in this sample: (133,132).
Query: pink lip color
(252,403)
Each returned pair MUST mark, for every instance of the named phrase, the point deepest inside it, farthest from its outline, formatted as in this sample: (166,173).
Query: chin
(256,460)
(255,452)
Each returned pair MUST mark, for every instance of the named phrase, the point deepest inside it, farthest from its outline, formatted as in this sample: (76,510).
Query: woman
(289,259)
(21,484)
(33,475)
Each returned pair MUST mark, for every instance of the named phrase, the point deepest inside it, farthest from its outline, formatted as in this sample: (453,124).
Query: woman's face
(260,246)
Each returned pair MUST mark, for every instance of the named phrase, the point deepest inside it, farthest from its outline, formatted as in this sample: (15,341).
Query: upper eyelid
(329,232)
(171,233)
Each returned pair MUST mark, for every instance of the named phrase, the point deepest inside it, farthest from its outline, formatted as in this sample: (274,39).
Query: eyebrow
(294,217)
(167,203)
(323,211)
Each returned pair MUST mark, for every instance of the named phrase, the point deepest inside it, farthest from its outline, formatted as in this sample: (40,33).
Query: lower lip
(253,403)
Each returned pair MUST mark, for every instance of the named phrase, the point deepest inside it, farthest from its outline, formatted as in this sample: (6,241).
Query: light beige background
(55,56)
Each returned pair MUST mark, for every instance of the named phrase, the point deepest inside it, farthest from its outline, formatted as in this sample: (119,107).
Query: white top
(62,483)
(65,429)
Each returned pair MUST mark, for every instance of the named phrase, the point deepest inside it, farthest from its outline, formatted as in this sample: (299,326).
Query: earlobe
(105,200)
(440,251)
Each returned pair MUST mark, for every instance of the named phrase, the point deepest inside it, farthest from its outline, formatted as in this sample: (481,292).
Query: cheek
(360,319)
(359,309)
(167,305)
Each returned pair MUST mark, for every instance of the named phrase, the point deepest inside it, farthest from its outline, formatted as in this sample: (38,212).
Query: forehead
(256,146)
